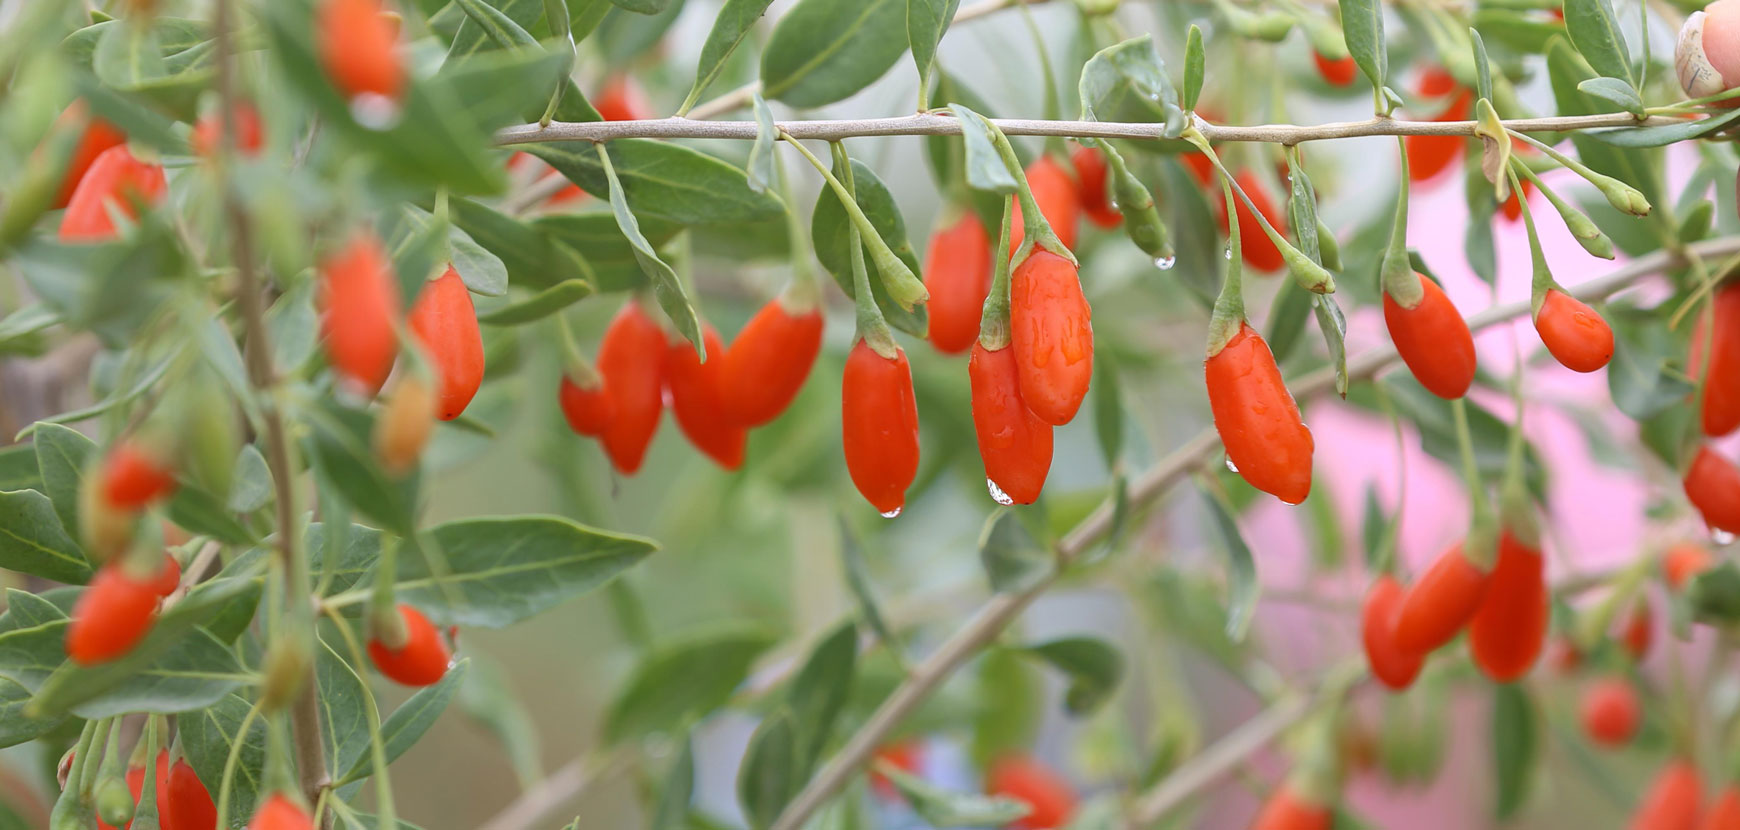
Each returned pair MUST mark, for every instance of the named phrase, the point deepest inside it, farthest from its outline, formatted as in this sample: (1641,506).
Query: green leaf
(761,158)
(822,51)
(819,692)
(942,808)
(511,86)
(1661,135)
(678,791)
(684,680)
(1595,33)
(1130,71)
(1333,324)
(982,165)
(500,570)
(207,737)
(340,441)
(16,726)
(173,34)
(769,776)
(858,579)
(1093,666)
(1515,747)
(736,20)
(62,456)
(409,722)
(1193,67)
(344,725)
(1362,24)
(128,57)
(1615,92)
(1014,561)
(1638,379)
(293,326)
(1287,319)
(252,486)
(1242,585)
(484,28)
(1006,710)
(1108,410)
(610,264)
(830,230)
(33,542)
(926,21)
(481,271)
(485,697)
(202,513)
(623,36)
(109,288)
(1482,69)
(672,297)
(642,6)
(531,259)
(664,181)
(18,468)
(21,331)
(539,305)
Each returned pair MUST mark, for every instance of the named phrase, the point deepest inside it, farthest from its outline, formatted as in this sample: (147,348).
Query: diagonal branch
(1002,609)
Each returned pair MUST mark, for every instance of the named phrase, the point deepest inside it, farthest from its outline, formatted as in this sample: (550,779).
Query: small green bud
(1310,276)
(114,801)
(1328,249)
(1094,8)
(1621,196)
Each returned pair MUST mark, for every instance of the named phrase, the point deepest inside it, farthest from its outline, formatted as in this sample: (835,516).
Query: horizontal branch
(942,123)
(1000,610)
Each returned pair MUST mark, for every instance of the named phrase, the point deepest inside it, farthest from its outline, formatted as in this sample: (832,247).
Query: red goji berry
(1610,712)
(906,756)
(770,360)
(1257,419)
(1430,155)
(1433,340)
(1713,486)
(588,409)
(1014,443)
(1576,334)
(360,309)
(1257,249)
(1054,190)
(188,805)
(1724,812)
(1439,603)
(1722,385)
(136,785)
(1393,667)
(631,360)
(111,616)
(1286,810)
(168,577)
(134,474)
(1049,798)
(250,136)
(404,424)
(421,660)
(1639,631)
(1508,632)
(1683,562)
(1511,210)
(98,137)
(1672,801)
(622,99)
(1567,657)
(280,813)
(1052,334)
(117,177)
(1339,71)
(359,48)
(1090,175)
(879,425)
(957,272)
(698,399)
(445,323)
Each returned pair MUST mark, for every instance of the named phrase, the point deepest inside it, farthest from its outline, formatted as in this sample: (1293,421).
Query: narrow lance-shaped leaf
(819,692)
(983,165)
(1515,747)
(926,21)
(406,725)
(1362,24)
(1595,33)
(666,287)
(823,51)
(1241,568)
(769,776)
(1194,63)
(941,808)
(33,542)
(686,678)
(858,579)
(1013,559)
(1094,668)
(539,305)
(735,21)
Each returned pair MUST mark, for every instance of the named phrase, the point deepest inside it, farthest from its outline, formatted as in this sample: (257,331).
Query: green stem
(872,327)
(902,286)
(1396,275)
(994,323)
(1229,306)
(92,763)
(227,783)
(1576,221)
(384,808)
(1036,229)
(1310,275)
(804,292)
(1480,547)
(1542,279)
(81,755)
(385,624)
(574,363)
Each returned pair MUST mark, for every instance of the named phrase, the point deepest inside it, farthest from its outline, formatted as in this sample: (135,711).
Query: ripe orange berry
(1392,666)
(622,99)
(1439,603)
(1052,335)
(250,136)
(117,177)
(1684,561)
(359,48)
(879,425)
(1430,155)
(1054,190)
(1724,812)
(770,360)
(1575,333)
(588,409)
(421,660)
(404,424)
(1672,801)
(1014,443)
(445,323)
(1257,419)
(1287,810)
(188,805)
(957,272)
(1433,340)
(1722,387)
(280,813)
(1639,630)
(1091,174)
(698,399)
(631,360)
(1713,486)
(97,138)
(1049,798)
(133,475)
(1338,72)
(1511,210)
(1258,250)
(168,577)
(359,297)
(1610,712)
(1508,632)
(111,616)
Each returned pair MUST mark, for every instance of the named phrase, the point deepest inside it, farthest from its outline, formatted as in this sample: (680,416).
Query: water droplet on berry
(997,494)
(1226,253)
(889,514)
(1721,537)
(374,111)
(1165,263)
(1231,467)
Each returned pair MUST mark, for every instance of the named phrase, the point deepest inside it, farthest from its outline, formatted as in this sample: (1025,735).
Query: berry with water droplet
(879,426)
(1014,443)
(1255,246)
(1433,340)
(957,273)
(1258,421)
(1052,336)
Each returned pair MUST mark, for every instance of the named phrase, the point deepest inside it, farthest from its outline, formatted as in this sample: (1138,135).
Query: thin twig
(562,787)
(1001,609)
(943,123)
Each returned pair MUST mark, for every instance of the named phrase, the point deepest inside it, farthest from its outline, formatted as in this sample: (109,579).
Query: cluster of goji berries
(1712,481)
(183,801)
(1675,801)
